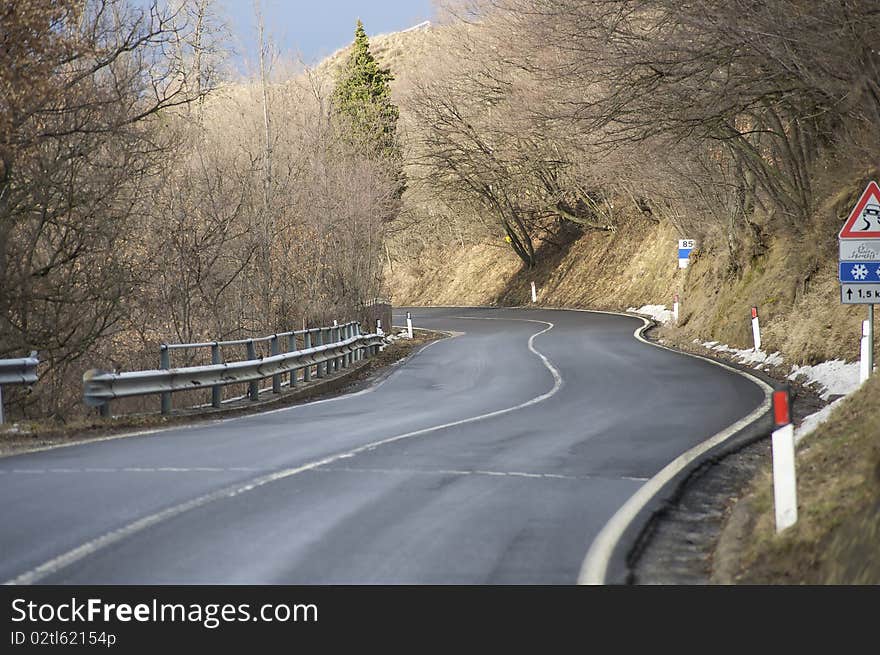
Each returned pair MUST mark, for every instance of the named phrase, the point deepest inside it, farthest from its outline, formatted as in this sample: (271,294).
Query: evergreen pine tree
(362,102)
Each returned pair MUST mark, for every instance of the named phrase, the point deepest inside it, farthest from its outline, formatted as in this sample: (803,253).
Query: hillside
(448,252)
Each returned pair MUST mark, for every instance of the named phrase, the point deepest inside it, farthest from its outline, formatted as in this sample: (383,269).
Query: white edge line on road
(594,569)
(70,557)
(208,422)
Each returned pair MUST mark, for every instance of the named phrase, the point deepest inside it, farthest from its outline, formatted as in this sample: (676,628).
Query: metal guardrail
(17,371)
(326,349)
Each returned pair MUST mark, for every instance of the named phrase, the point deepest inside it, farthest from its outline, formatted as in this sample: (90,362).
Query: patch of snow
(658,312)
(757,359)
(836,377)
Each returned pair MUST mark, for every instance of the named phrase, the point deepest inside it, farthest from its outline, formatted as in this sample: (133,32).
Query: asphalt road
(494,456)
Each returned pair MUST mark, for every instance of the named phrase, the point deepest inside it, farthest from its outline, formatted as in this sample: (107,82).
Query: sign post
(865,352)
(859,266)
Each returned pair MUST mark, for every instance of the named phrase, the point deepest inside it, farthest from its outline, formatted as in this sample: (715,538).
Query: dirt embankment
(835,540)
(794,285)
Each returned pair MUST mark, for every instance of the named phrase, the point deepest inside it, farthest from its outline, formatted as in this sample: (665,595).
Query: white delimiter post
(409,325)
(865,352)
(534,293)
(784,475)
(675,308)
(756,329)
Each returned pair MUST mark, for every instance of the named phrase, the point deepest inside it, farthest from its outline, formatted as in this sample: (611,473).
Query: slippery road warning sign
(864,219)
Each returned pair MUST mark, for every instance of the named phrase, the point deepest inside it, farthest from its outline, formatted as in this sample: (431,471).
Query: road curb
(616,547)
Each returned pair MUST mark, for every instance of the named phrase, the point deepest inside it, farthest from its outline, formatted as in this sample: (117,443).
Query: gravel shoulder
(698,539)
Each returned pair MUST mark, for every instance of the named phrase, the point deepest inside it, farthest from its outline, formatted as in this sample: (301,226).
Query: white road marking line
(402,471)
(72,556)
(134,469)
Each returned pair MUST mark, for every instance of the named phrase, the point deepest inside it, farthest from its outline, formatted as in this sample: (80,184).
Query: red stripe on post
(754,312)
(675,298)
(781,413)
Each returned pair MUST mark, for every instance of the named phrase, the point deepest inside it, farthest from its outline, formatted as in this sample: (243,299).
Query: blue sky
(314,29)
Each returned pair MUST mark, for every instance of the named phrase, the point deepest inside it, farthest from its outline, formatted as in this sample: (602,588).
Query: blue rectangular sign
(859,272)
(684,253)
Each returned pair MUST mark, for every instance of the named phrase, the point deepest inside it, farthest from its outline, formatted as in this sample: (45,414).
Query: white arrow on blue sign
(859,272)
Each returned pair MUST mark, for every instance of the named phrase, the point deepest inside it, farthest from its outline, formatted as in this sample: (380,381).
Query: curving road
(495,456)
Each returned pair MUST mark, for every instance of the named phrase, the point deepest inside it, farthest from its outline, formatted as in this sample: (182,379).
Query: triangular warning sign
(864,219)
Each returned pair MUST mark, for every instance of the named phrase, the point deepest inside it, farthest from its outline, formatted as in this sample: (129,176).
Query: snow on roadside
(836,376)
(757,359)
(658,312)
(831,378)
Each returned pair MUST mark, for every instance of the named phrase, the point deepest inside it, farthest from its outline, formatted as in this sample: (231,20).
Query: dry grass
(836,537)
(474,275)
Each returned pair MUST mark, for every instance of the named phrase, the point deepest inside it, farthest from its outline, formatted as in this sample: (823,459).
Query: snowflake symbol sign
(859,271)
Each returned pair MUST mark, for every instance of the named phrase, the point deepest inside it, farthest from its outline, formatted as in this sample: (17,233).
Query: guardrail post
(319,341)
(165,364)
(1,404)
(346,358)
(253,385)
(356,330)
(216,390)
(336,339)
(105,410)
(291,347)
(307,343)
(276,379)
(328,339)
(329,362)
